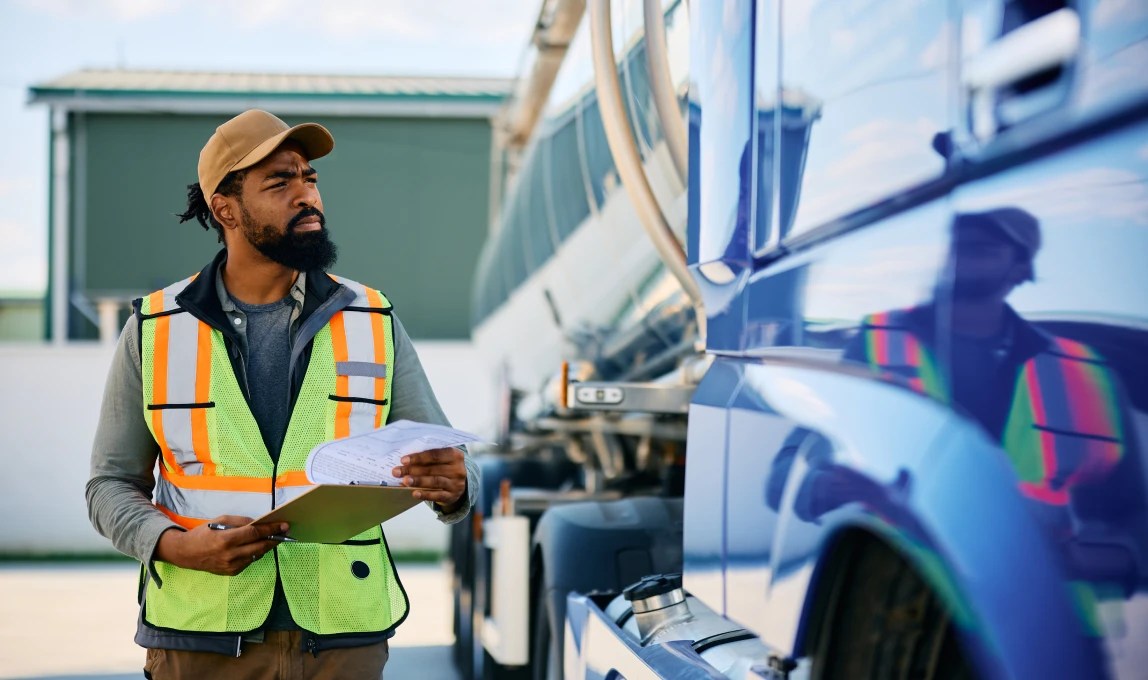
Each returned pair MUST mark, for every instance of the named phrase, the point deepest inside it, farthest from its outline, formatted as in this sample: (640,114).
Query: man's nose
(308,196)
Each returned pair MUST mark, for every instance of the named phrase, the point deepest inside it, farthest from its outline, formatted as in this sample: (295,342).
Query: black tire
(887,624)
(463,578)
(542,656)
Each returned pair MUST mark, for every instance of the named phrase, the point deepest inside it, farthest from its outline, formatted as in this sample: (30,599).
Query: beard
(301,251)
(983,288)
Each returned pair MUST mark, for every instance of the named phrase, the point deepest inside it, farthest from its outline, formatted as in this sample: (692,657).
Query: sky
(44,39)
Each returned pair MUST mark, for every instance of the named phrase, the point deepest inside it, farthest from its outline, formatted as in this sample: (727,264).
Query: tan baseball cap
(250,137)
(1019,226)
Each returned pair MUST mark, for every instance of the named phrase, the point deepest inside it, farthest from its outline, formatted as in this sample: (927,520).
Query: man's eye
(313,180)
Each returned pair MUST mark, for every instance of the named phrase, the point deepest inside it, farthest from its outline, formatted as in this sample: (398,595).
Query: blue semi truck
(823,331)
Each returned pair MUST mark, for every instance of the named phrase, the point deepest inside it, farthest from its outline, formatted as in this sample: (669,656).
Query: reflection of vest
(1063,426)
(213,462)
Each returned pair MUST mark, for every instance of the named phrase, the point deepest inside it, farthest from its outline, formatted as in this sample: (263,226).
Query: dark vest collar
(201,300)
(1028,340)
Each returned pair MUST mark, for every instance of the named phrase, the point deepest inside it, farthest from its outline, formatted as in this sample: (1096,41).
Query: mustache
(305,213)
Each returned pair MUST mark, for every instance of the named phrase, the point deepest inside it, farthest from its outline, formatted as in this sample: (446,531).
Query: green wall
(405,201)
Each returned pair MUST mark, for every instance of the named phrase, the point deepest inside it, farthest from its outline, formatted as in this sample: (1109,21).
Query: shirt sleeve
(413,399)
(123,459)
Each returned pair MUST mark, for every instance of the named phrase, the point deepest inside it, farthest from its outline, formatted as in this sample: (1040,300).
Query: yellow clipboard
(333,513)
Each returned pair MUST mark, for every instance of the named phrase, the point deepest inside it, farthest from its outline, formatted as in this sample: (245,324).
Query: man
(228,379)
(1053,403)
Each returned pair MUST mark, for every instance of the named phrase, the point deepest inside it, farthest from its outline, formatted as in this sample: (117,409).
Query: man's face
(983,265)
(281,212)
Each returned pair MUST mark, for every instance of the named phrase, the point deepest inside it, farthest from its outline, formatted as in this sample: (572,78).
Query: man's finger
(232,520)
(439,496)
(269,529)
(432,456)
(455,471)
(434,482)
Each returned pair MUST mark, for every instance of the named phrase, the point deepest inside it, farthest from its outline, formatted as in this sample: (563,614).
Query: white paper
(370,457)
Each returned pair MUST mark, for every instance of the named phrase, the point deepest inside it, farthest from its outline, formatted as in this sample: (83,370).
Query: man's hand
(225,552)
(441,474)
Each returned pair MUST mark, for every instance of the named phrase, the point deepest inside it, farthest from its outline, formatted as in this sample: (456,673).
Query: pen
(215,526)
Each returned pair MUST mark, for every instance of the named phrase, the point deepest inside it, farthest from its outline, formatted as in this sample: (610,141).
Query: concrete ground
(93,608)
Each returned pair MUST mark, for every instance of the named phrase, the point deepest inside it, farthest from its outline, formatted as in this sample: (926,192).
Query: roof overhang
(119,101)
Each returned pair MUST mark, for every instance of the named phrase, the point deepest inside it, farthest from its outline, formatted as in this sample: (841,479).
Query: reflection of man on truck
(1053,403)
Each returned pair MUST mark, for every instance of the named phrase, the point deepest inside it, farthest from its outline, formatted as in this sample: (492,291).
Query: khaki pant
(279,657)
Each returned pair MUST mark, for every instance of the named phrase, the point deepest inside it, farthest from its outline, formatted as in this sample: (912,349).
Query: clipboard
(333,513)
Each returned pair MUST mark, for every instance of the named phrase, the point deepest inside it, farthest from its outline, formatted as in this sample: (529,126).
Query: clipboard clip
(381,482)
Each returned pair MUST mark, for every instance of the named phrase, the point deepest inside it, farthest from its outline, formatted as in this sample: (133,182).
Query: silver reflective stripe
(283,494)
(183,347)
(368,368)
(360,350)
(205,504)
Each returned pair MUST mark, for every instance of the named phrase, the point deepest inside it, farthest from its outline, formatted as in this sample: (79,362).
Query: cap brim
(314,138)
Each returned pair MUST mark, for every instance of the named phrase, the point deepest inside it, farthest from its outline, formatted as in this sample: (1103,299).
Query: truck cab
(896,430)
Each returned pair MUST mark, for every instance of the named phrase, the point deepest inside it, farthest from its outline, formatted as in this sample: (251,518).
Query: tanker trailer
(583,301)
(595,337)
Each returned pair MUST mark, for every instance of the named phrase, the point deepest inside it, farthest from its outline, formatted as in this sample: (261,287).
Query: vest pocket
(197,601)
(342,588)
(1080,458)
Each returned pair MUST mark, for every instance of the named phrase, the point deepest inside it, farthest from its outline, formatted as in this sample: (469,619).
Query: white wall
(49,404)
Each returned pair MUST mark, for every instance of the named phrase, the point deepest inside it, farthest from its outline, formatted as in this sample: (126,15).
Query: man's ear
(225,210)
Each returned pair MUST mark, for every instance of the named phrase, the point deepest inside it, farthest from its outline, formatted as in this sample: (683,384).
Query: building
(406,190)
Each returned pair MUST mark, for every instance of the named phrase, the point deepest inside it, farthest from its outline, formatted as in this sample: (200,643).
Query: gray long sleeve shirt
(124,453)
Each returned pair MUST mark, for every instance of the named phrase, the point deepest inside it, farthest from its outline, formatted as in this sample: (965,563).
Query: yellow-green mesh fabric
(237,447)
(1021,438)
(147,359)
(193,600)
(323,593)
(311,422)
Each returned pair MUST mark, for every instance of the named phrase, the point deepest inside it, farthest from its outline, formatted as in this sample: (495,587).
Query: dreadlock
(197,209)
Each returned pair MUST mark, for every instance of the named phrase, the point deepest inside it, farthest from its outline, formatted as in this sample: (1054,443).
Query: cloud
(796,15)
(454,22)
(883,277)
(940,49)
(15,186)
(24,258)
(1108,13)
(871,162)
(1089,195)
(119,10)
(973,35)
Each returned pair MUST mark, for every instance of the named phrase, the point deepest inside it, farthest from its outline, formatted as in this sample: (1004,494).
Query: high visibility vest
(1063,426)
(213,462)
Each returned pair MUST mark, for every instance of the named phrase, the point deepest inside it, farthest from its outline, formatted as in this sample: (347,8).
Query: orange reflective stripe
(218,483)
(159,379)
(379,335)
(199,437)
(185,522)
(342,384)
(295,478)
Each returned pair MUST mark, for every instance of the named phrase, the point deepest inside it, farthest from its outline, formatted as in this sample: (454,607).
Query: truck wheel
(888,624)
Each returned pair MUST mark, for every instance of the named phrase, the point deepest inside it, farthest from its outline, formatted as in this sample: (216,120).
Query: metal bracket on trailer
(630,397)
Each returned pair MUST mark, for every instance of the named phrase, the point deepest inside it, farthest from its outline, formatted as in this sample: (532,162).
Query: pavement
(41,603)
